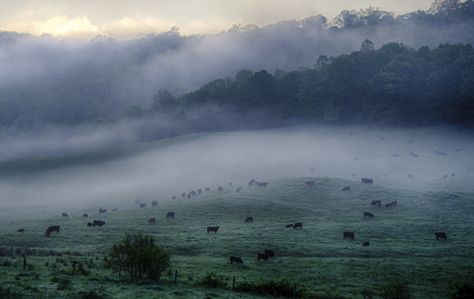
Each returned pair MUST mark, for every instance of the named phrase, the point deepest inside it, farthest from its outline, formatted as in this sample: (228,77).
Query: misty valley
(309,158)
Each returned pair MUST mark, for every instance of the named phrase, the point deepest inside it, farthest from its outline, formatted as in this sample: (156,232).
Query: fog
(159,170)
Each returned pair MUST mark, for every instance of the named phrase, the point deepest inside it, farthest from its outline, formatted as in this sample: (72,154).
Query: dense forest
(45,81)
(393,84)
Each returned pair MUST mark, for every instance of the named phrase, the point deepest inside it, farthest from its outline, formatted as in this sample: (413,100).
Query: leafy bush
(139,256)
(272,288)
(396,290)
(212,280)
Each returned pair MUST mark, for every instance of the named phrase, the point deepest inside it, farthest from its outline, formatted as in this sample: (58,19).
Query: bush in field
(212,280)
(396,290)
(272,288)
(139,256)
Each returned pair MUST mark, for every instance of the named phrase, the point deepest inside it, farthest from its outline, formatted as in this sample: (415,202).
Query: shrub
(212,280)
(395,290)
(272,288)
(139,256)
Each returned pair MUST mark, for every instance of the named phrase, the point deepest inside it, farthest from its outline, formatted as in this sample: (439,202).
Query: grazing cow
(298,225)
(89,224)
(102,211)
(262,256)
(441,236)
(238,189)
(270,253)
(366,243)
(21,230)
(349,235)
(391,204)
(170,215)
(263,184)
(346,188)
(65,214)
(85,215)
(212,229)
(52,229)
(249,220)
(310,183)
(207,189)
(235,259)
(98,223)
(155,203)
(183,194)
(252,182)
(367,181)
(142,205)
(414,155)
(199,191)
(152,221)
(377,203)
(220,189)
(368,215)
(289,225)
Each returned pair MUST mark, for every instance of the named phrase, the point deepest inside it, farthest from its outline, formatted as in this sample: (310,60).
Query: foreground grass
(402,245)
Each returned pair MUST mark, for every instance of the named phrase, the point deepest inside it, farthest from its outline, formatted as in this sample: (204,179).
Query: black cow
(52,229)
(262,184)
(298,225)
(391,204)
(377,203)
(367,181)
(199,191)
(220,189)
(238,189)
(142,205)
(170,215)
(212,229)
(89,224)
(65,214)
(21,230)
(366,243)
(252,182)
(349,235)
(85,215)
(152,221)
(207,189)
(102,211)
(368,215)
(98,223)
(289,225)
(155,203)
(262,256)
(249,220)
(270,253)
(236,259)
(441,236)
(310,183)
(183,194)
(346,188)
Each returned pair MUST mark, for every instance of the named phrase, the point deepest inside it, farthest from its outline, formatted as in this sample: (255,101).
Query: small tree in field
(139,256)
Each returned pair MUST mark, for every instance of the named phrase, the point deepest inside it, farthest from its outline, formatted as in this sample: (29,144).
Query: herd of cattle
(268,253)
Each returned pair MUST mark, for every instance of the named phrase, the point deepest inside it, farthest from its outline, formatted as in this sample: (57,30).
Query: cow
(289,225)
(368,215)
(52,229)
(252,182)
(102,211)
(220,189)
(199,191)
(441,236)
(98,223)
(152,221)
(249,220)
(142,205)
(346,188)
(298,225)
(262,256)
(235,259)
(207,189)
(89,224)
(85,215)
(366,243)
(230,184)
(21,230)
(170,215)
(270,253)
(212,229)
(349,235)
(262,184)
(65,214)
(183,194)
(391,204)
(238,189)
(310,183)
(367,181)
(377,203)
(155,203)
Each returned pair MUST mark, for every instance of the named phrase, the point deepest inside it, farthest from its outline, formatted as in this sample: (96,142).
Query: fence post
(233,282)
(175,276)
(24,259)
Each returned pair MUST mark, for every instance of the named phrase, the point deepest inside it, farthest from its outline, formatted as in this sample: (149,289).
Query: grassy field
(402,243)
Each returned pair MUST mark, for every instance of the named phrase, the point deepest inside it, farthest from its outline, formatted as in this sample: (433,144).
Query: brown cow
(152,221)
(441,236)
(349,235)
(235,259)
(212,229)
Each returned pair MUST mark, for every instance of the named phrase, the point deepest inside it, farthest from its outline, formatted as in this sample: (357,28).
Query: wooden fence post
(175,276)
(24,260)
(233,282)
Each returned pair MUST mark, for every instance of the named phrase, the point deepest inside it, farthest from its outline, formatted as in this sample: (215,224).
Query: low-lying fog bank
(424,159)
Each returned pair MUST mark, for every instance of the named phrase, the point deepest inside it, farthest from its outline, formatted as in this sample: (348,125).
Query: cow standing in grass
(236,259)
(441,236)
(170,215)
(213,229)
(52,229)
(262,256)
(349,235)
(249,220)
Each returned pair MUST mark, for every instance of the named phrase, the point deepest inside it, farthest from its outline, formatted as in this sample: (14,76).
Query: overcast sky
(129,18)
